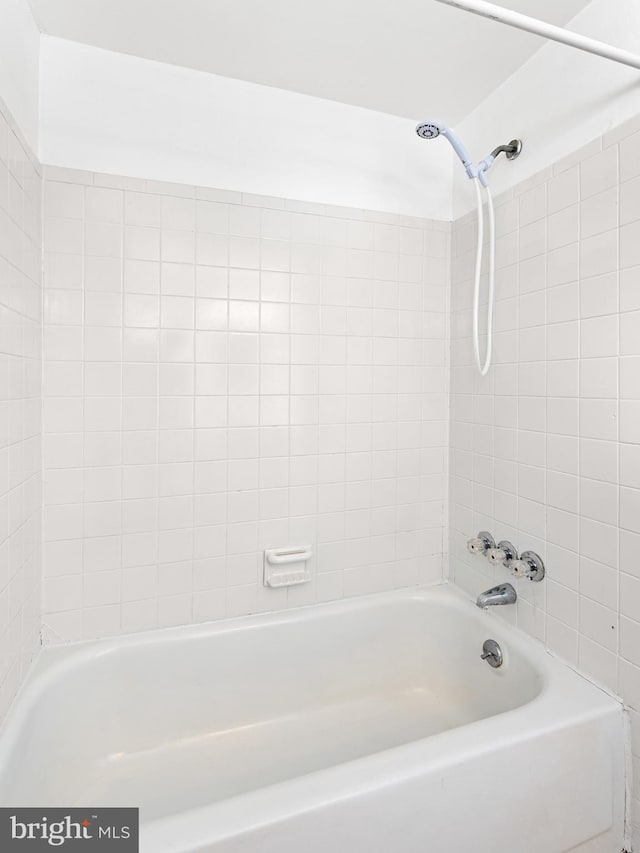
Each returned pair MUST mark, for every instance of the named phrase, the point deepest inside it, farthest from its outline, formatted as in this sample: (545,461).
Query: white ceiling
(411,58)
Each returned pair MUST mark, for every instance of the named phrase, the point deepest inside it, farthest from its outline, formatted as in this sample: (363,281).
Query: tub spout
(504,593)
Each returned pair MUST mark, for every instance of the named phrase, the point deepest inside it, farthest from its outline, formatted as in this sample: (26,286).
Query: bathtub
(366,725)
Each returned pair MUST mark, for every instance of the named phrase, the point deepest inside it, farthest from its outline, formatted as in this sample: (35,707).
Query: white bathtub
(368,725)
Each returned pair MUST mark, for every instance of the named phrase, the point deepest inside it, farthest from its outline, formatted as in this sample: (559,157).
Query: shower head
(433,129)
(428,130)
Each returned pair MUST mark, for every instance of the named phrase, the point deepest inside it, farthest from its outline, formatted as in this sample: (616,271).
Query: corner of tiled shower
(545,450)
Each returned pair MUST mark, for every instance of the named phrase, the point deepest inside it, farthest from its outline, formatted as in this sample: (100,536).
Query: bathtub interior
(181,718)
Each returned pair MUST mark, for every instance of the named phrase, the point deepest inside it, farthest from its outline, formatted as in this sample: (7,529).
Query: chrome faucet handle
(481,544)
(504,554)
(496,556)
(529,566)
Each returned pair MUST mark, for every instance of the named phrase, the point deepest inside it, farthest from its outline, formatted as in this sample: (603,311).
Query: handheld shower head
(433,129)
(428,130)
(478,174)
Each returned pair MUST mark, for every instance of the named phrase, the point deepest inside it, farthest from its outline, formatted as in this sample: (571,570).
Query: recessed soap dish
(287,566)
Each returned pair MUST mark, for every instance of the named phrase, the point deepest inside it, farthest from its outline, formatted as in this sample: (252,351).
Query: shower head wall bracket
(515,149)
(511,151)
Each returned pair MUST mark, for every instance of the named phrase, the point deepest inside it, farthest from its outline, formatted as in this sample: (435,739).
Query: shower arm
(511,150)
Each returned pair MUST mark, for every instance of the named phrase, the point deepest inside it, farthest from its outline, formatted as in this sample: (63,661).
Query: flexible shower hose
(483,367)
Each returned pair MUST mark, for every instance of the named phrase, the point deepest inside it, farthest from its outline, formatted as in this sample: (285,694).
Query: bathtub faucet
(504,593)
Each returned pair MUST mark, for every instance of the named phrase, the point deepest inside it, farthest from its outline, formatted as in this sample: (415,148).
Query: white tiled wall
(20,401)
(224,373)
(545,450)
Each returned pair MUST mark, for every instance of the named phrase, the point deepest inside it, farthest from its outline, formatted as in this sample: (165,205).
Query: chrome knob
(503,554)
(481,544)
(529,566)
(492,653)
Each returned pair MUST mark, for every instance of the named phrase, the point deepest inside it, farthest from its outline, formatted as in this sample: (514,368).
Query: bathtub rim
(53,660)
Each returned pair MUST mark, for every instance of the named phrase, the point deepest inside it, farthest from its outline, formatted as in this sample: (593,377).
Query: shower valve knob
(528,566)
(476,546)
(496,556)
(503,555)
(519,569)
(481,544)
